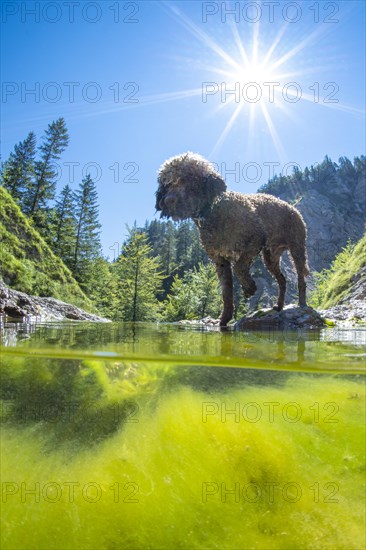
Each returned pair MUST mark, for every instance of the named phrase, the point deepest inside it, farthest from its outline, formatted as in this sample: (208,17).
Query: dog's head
(188,185)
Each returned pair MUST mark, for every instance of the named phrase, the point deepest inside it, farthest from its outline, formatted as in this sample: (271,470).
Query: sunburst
(250,64)
(250,76)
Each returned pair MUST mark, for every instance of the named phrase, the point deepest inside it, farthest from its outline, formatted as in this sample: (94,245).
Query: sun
(258,73)
(255,81)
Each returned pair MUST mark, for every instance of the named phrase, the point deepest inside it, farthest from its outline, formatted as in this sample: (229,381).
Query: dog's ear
(159,195)
(215,185)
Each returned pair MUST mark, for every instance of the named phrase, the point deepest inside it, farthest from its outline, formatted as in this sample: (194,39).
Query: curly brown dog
(234,228)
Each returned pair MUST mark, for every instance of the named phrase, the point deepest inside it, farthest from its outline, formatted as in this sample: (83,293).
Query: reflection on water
(121,436)
(329,349)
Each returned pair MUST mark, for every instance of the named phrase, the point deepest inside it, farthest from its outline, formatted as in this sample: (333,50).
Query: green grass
(335,283)
(28,264)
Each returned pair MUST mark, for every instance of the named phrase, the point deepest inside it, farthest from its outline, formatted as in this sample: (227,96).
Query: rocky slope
(330,224)
(28,264)
(18,306)
(346,298)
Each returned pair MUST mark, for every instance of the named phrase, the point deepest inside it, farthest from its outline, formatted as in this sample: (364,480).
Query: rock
(291,317)
(329,225)
(351,309)
(358,290)
(347,315)
(205,322)
(15,305)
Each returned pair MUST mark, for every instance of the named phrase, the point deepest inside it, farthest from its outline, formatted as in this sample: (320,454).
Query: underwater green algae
(245,465)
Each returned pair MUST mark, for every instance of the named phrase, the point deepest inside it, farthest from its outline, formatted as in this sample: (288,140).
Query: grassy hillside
(335,283)
(28,264)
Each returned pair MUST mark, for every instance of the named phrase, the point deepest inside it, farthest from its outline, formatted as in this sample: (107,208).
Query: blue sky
(254,86)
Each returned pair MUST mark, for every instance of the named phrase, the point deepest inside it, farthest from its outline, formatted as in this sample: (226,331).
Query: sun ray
(226,130)
(147,101)
(240,45)
(255,43)
(223,105)
(253,69)
(202,36)
(296,49)
(221,71)
(337,105)
(300,72)
(275,43)
(171,96)
(274,135)
(250,132)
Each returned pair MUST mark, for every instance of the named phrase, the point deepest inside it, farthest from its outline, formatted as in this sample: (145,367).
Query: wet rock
(291,317)
(348,314)
(18,306)
(351,309)
(205,322)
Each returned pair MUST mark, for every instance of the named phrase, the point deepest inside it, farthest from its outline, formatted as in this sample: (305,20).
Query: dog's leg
(299,257)
(241,269)
(272,261)
(224,273)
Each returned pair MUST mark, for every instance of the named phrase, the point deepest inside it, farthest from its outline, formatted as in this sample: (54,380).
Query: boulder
(291,317)
(19,306)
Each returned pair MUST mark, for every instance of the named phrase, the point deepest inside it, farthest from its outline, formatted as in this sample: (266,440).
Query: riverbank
(19,306)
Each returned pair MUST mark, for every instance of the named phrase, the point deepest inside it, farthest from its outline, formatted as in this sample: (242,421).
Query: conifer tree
(65,226)
(139,279)
(43,187)
(184,242)
(168,247)
(189,249)
(102,287)
(18,171)
(87,239)
(194,296)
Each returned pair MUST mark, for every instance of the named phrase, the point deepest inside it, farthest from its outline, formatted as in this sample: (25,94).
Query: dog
(234,227)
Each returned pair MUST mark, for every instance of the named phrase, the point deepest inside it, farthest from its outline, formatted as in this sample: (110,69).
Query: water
(119,436)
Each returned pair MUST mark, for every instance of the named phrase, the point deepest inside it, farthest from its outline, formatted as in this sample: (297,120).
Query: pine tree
(87,239)
(325,174)
(64,226)
(198,253)
(189,249)
(139,279)
(180,302)
(194,296)
(18,171)
(102,285)
(184,242)
(168,247)
(155,231)
(43,187)
(360,166)
(206,288)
